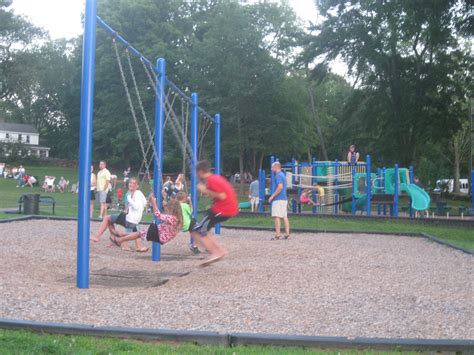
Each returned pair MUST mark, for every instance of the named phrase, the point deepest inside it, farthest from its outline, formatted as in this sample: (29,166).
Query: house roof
(17,127)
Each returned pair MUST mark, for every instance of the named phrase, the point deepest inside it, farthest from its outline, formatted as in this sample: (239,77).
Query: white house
(25,134)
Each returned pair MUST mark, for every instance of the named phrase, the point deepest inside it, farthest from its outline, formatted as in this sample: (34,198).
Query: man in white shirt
(130,219)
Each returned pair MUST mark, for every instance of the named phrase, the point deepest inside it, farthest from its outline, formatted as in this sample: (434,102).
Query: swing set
(173,109)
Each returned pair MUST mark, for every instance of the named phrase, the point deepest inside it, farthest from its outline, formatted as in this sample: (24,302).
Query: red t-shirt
(228,207)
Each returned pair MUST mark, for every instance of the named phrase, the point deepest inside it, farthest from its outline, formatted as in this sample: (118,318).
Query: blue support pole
(396,192)
(379,188)
(412,181)
(293,180)
(194,147)
(336,184)
(158,163)
(300,208)
(368,180)
(217,155)
(114,34)
(314,180)
(354,188)
(261,190)
(383,190)
(85,148)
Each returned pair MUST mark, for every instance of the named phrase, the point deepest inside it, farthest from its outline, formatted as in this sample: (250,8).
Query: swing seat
(245,206)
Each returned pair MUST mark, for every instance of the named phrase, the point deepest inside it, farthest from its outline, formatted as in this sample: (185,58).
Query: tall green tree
(234,55)
(405,57)
(16,37)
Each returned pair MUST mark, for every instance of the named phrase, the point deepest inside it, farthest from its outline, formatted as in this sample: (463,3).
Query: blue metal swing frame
(91,22)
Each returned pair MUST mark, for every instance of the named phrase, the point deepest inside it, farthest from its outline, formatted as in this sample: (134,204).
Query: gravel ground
(321,284)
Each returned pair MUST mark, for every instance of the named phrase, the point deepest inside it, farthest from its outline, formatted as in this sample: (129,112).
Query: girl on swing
(170,226)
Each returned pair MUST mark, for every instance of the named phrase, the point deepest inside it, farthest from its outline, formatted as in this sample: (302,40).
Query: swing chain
(132,108)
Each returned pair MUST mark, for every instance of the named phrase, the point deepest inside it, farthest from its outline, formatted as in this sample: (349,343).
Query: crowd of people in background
(25,180)
(246,178)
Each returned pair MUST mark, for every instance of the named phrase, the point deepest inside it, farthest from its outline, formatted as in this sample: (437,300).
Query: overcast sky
(62,18)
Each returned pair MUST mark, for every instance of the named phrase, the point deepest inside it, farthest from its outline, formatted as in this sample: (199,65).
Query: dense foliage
(406,99)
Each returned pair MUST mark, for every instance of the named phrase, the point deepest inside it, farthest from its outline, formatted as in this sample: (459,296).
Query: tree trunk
(317,121)
(457,170)
(241,165)
(260,163)
(310,157)
(241,154)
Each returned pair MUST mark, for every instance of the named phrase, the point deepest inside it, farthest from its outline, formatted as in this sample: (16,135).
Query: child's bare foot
(213,259)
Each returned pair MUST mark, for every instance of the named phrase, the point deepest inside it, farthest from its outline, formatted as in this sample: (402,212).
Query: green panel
(390,179)
(360,183)
(245,205)
(322,170)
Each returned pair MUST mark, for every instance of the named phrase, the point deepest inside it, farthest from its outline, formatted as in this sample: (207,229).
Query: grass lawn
(22,342)
(462,237)
(66,205)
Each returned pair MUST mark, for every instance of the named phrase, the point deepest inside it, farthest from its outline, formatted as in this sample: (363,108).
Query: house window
(27,139)
(43,153)
(19,138)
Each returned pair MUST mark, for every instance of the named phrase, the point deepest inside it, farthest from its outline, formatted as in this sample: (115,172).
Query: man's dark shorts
(121,219)
(192,224)
(208,222)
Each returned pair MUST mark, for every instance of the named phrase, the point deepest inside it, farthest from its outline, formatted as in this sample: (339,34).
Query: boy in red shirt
(224,206)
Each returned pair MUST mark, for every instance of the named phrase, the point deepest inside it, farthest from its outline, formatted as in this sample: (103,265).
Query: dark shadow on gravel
(168,257)
(109,278)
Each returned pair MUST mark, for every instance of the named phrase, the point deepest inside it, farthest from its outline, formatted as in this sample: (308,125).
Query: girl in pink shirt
(170,226)
(305,199)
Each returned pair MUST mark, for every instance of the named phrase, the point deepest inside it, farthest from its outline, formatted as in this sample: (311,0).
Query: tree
(404,57)
(458,148)
(16,36)
(232,54)
(233,67)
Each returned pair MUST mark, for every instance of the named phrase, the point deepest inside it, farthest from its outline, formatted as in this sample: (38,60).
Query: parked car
(447,185)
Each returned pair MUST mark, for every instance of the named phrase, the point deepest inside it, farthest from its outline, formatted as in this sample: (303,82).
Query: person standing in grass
(254,195)
(103,186)
(279,201)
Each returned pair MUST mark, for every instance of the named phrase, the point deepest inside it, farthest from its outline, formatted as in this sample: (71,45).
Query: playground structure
(172,105)
(349,187)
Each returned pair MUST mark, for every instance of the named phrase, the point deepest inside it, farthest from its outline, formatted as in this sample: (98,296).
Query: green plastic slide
(420,200)
(390,179)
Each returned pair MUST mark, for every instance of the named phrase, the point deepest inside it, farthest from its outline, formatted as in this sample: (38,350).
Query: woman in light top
(93,187)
